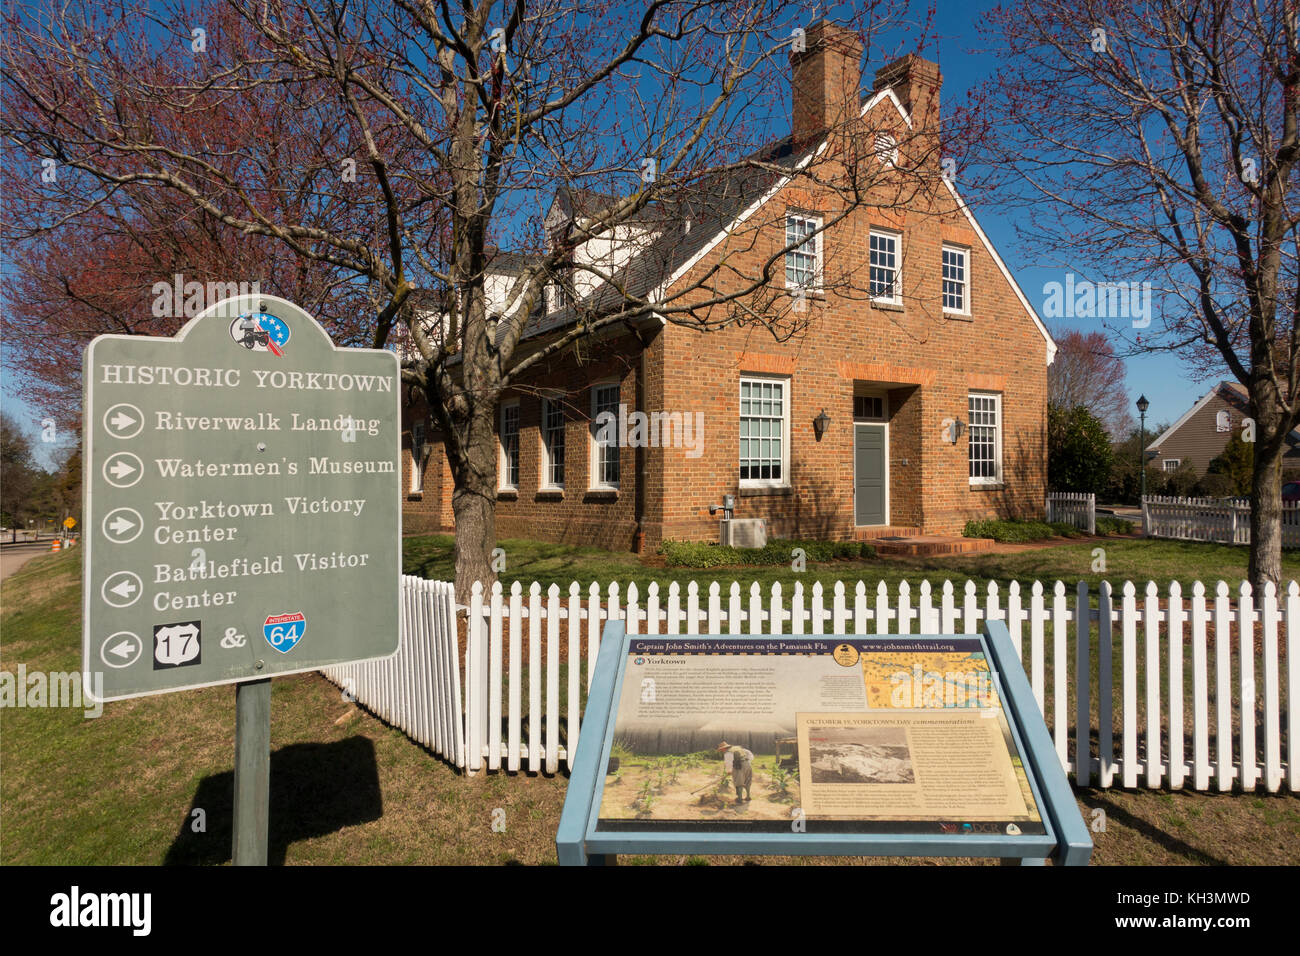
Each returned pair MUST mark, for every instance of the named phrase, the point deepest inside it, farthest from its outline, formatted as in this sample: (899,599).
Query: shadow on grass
(1098,800)
(316,789)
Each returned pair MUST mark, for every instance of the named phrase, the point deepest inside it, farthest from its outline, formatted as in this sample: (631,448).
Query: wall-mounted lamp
(820,424)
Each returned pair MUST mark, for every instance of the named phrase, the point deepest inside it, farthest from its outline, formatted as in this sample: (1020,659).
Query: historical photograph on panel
(861,755)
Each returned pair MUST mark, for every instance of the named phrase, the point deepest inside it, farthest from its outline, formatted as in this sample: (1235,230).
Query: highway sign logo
(261,332)
(177,645)
(284,631)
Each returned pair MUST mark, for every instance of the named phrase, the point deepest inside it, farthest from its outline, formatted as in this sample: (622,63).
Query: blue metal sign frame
(1067,842)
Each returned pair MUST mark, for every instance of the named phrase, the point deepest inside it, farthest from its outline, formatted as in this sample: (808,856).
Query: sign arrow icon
(120,649)
(123,420)
(122,525)
(126,588)
(123,469)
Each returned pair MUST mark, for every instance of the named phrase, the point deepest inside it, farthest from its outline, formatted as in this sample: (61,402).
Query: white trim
(1006,273)
(996,479)
(1166,462)
(1201,403)
(880,95)
(870,424)
(503,464)
(593,455)
(786,415)
(762,200)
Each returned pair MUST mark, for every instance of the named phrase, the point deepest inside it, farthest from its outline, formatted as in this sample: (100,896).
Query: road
(14,556)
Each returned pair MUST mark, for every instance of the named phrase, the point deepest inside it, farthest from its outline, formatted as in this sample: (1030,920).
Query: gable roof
(702,215)
(1234,393)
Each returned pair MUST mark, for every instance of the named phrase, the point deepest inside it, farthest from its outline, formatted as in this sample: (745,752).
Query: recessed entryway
(870,474)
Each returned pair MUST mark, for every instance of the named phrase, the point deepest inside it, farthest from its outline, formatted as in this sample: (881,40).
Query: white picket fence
(1170,733)
(1077,508)
(417,690)
(1220,520)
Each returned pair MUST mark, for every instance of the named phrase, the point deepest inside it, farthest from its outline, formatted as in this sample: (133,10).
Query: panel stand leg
(252,772)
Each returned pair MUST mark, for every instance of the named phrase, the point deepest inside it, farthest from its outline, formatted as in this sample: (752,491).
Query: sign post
(252,772)
(242,513)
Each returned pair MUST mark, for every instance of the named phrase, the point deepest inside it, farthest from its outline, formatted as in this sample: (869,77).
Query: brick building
(912,408)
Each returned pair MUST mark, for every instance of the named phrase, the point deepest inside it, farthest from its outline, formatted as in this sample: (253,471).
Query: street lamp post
(1143,405)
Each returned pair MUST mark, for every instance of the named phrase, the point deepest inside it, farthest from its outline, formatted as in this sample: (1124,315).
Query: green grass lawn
(1126,559)
(124,788)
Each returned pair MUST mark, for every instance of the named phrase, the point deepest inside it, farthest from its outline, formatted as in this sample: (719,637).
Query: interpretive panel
(885,734)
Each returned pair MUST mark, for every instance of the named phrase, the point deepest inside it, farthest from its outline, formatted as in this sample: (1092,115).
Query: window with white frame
(885,267)
(510,446)
(764,426)
(552,444)
(956,297)
(604,435)
(1171,464)
(803,267)
(985,431)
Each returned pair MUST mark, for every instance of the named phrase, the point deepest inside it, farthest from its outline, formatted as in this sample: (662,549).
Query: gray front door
(869,474)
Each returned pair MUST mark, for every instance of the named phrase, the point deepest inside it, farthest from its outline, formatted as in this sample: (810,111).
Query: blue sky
(1162,377)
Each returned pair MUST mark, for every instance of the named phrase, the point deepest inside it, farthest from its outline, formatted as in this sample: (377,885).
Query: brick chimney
(916,83)
(826,76)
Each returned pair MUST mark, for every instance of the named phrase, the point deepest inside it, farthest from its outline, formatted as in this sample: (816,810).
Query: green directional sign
(242,498)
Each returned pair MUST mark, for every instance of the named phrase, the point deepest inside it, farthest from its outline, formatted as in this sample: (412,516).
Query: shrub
(700,554)
(1017,530)
(1114,526)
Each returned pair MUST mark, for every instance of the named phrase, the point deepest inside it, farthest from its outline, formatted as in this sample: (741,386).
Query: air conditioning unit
(744,532)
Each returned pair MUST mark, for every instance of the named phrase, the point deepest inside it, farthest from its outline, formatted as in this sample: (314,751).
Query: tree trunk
(1266,508)
(473,503)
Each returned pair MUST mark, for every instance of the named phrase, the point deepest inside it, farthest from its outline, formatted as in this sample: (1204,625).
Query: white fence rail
(1221,520)
(1138,688)
(1077,508)
(417,690)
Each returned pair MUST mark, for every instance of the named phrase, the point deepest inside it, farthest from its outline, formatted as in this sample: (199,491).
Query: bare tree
(1087,372)
(457,124)
(1157,147)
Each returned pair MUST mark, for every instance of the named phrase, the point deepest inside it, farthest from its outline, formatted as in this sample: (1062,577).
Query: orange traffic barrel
(55,545)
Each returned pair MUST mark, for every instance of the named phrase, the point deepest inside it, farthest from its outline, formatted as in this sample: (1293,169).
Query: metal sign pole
(252,772)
